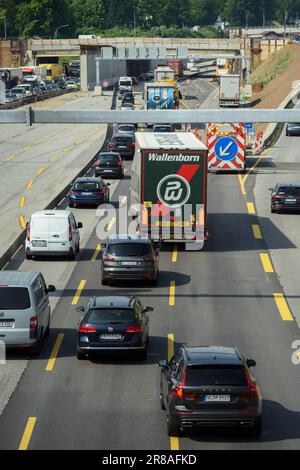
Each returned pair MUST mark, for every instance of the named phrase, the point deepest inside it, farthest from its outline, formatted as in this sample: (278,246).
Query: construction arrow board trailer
(226,145)
(169,187)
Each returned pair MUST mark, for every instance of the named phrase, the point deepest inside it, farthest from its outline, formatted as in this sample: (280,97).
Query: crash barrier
(258,143)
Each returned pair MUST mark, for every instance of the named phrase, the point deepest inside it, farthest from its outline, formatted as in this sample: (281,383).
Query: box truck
(164,73)
(161,95)
(169,186)
(229,92)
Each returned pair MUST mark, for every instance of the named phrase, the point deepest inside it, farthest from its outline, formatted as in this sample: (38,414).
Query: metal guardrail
(32,116)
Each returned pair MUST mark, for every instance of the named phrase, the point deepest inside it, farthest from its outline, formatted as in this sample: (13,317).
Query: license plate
(7,324)
(291,201)
(39,244)
(111,337)
(87,194)
(129,263)
(122,146)
(107,171)
(217,398)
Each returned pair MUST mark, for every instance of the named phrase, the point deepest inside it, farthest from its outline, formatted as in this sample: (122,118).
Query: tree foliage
(27,18)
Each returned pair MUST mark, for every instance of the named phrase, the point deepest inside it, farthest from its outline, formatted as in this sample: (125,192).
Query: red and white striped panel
(258,144)
(238,163)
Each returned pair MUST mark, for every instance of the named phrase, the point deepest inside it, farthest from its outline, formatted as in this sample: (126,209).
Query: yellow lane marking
(250,208)
(27,433)
(255,165)
(77,142)
(54,158)
(22,221)
(78,293)
(257,232)
(41,141)
(172,294)
(174,443)
(53,355)
(53,134)
(40,171)
(170,346)
(111,224)
(184,104)
(283,307)
(197,86)
(266,262)
(66,149)
(29,184)
(96,253)
(25,149)
(242,185)
(175,254)
(22,201)
(10,157)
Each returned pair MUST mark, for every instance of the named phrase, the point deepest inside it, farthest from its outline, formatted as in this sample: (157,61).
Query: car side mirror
(80,309)
(251,363)
(79,225)
(51,288)
(149,309)
(163,364)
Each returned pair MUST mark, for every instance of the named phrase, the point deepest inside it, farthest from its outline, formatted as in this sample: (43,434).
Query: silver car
(24,310)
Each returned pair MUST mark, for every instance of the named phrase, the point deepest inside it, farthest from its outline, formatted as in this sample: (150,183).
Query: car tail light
(119,163)
(34,323)
(252,386)
(74,192)
(97,164)
(277,197)
(28,233)
(132,146)
(148,258)
(70,233)
(134,329)
(108,258)
(87,329)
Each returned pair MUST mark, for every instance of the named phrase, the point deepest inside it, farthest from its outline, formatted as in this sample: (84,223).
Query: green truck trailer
(169,187)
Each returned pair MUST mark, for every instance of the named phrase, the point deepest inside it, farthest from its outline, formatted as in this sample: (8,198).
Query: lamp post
(57,29)
(5,31)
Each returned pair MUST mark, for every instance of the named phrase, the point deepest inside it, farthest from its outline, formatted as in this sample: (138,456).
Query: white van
(52,233)
(125,83)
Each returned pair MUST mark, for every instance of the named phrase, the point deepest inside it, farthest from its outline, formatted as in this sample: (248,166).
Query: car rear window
(215,375)
(122,138)
(128,249)
(40,224)
(126,128)
(109,315)
(91,186)
(108,158)
(162,129)
(290,191)
(125,83)
(14,298)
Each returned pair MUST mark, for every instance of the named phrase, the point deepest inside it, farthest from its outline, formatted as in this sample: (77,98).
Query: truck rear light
(34,323)
(87,329)
(134,329)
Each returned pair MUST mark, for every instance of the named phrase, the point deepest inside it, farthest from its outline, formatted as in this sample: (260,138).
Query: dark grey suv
(129,258)
(210,386)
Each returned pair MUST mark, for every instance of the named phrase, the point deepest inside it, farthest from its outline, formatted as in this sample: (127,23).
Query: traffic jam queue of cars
(199,386)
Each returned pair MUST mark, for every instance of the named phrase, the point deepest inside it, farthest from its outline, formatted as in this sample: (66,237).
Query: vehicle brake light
(34,323)
(252,386)
(134,329)
(97,163)
(74,192)
(70,233)
(108,258)
(87,329)
(277,197)
(119,163)
(28,233)
(132,146)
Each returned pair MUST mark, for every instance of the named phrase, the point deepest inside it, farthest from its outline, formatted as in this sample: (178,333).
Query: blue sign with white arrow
(226,148)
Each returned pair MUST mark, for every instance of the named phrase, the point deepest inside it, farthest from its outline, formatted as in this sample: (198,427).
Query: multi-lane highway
(231,293)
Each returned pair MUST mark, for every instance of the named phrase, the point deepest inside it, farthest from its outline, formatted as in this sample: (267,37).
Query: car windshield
(14,298)
(295,192)
(129,249)
(122,139)
(89,185)
(125,83)
(108,158)
(215,375)
(109,315)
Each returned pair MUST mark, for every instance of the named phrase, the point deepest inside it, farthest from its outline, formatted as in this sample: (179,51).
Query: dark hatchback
(113,324)
(285,197)
(88,191)
(210,386)
(129,258)
(123,144)
(108,165)
(292,128)
(128,98)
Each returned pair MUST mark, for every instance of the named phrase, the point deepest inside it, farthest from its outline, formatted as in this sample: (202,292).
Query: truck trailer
(169,186)
(161,95)
(229,94)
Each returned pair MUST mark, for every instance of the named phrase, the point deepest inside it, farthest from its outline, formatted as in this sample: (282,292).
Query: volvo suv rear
(210,386)
(285,197)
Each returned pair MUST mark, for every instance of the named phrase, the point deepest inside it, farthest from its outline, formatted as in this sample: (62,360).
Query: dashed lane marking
(175,254)
(266,262)
(257,232)
(22,201)
(30,183)
(27,433)
(172,294)
(96,253)
(79,292)
(283,307)
(54,353)
(250,208)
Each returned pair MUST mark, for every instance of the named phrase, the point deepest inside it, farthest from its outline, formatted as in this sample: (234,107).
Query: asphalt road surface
(224,295)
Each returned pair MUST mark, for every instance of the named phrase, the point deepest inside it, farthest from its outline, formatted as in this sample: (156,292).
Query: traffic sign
(251,131)
(249,125)
(226,148)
